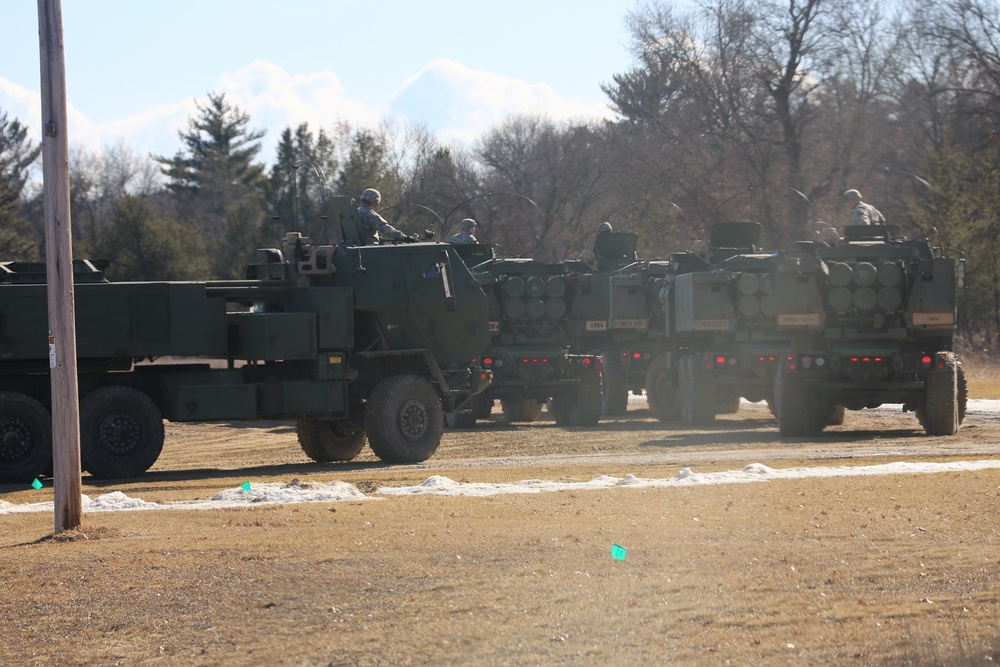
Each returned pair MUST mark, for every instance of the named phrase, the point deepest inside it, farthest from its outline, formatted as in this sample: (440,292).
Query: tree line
(733,110)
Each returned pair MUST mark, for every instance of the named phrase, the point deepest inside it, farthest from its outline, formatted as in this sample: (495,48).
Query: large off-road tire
(698,400)
(121,432)
(521,410)
(25,438)
(483,404)
(791,401)
(404,420)
(661,391)
(963,391)
(726,403)
(941,412)
(326,440)
(836,416)
(580,406)
(614,396)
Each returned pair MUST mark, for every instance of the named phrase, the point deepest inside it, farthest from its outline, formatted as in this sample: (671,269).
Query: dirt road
(617,444)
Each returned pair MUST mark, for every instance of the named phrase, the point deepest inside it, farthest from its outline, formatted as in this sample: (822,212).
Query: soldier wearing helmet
(467,235)
(863,213)
(376,227)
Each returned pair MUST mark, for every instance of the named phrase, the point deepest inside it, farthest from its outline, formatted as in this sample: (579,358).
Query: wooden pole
(59,271)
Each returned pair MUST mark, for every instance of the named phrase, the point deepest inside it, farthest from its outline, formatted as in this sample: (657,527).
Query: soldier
(467,235)
(862,213)
(604,228)
(376,227)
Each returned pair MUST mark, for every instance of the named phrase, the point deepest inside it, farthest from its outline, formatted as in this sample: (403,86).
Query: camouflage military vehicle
(617,314)
(871,318)
(350,341)
(529,352)
(720,339)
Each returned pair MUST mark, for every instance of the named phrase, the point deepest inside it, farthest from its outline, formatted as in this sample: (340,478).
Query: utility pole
(59,271)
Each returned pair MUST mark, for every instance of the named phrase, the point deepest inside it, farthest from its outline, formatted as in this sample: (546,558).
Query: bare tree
(761,106)
(545,180)
(99,180)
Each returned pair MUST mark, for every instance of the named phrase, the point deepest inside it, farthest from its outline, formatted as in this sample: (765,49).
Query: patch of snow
(335,491)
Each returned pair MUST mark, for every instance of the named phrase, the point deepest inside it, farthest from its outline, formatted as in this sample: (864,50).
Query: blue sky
(134,68)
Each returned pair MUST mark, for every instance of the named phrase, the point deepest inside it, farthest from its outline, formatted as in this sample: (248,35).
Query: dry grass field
(878,570)
(983,375)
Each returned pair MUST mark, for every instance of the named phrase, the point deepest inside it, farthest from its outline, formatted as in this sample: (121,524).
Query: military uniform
(463,238)
(866,214)
(376,227)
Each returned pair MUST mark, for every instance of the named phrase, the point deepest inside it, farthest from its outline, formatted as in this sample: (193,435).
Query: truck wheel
(521,410)
(963,392)
(727,403)
(25,438)
(792,404)
(941,412)
(580,406)
(404,419)
(483,404)
(326,440)
(697,394)
(121,432)
(661,391)
(614,398)
(836,416)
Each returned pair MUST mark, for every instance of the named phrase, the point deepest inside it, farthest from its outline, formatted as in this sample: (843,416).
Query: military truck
(350,341)
(871,319)
(720,341)
(617,314)
(530,352)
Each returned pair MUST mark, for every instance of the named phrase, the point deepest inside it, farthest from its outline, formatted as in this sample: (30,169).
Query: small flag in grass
(36,484)
(618,551)
(246,486)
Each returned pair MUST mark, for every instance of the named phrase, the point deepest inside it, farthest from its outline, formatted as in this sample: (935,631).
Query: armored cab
(348,340)
(530,348)
(720,337)
(871,317)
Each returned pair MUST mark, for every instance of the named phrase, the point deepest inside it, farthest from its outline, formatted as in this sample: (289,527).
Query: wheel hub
(664,389)
(15,439)
(413,419)
(120,433)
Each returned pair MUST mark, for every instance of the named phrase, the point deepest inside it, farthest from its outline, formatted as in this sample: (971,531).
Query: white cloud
(276,99)
(453,101)
(153,130)
(456,102)
(24,105)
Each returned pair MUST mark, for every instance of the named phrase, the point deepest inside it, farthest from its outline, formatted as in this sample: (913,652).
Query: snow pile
(292,492)
(755,472)
(335,491)
(259,493)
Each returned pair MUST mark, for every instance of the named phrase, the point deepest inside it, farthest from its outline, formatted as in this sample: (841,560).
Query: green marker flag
(246,486)
(618,551)
(36,484)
